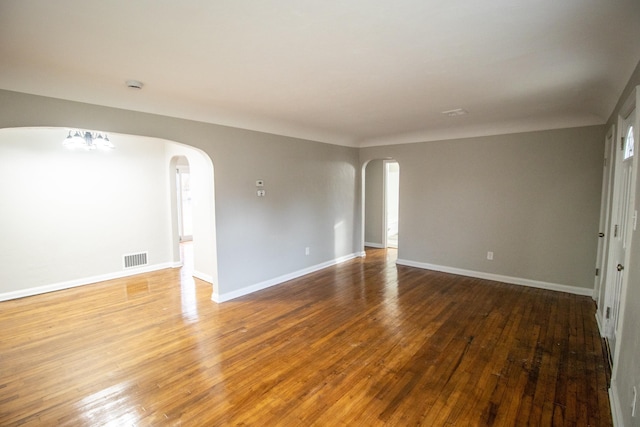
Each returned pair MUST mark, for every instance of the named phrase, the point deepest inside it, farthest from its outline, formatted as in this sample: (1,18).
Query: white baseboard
(616,409)
(374,245)
(277,280)
(600,328)
(81,282)
(499,278)
(202,276)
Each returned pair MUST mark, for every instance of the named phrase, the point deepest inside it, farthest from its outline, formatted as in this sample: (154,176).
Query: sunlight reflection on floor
(187,284)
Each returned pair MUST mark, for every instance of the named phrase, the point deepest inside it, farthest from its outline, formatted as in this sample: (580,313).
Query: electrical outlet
(634,402)
(490,256)
(261,193)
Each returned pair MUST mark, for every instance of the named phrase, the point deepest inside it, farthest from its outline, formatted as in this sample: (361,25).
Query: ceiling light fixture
(455,112)
(87,140)
(134,84)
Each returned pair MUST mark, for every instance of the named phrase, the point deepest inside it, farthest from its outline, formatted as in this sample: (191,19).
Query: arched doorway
(200,230)
(75,215)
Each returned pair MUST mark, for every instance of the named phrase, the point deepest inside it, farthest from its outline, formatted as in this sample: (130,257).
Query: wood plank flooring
(364,343)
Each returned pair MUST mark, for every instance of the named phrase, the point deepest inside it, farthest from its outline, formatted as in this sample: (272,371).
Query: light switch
(260,183)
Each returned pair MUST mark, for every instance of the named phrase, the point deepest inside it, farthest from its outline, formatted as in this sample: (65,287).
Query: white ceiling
(350,72)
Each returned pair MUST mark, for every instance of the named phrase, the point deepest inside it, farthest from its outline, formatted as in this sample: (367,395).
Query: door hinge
(607,313)
(615,231)
(622,143)
(597,271)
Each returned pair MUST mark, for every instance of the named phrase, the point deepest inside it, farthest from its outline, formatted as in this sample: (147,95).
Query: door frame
(626,109)
(385,198)
(180,170)
(605,225)
(363,204)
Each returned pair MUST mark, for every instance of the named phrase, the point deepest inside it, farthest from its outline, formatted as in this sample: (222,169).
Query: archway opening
(77,216)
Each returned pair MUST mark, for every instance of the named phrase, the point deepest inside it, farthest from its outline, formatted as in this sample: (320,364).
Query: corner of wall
(219,298)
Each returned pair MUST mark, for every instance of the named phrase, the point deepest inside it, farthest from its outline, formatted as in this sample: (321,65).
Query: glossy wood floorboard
(364,343)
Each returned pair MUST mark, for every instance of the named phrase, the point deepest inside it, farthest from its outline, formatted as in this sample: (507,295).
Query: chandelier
(87,140)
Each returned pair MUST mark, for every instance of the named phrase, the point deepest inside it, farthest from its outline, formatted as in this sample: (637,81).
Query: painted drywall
(626,369)
(311,187)
(374,203)
(68,215)
(309,202)
(530,198)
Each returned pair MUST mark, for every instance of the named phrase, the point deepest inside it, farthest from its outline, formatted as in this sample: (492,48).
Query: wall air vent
(135,260)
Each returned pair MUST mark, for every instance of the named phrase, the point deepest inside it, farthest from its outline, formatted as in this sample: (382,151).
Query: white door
(619,231)
(605,221)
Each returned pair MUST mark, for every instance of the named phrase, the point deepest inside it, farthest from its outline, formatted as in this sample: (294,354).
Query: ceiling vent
(456,112)
(134,84)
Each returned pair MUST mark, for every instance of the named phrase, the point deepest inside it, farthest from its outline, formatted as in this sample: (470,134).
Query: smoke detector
(134,84)
(456,112)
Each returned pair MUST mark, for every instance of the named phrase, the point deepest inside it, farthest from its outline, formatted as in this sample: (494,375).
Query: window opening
(628,144)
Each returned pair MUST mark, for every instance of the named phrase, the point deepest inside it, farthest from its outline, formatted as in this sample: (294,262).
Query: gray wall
(374,202)
(311,187)
(531,198)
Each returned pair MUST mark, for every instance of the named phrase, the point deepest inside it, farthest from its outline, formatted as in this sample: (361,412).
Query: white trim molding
(616,409)
(202,276)
(600,328)
(82,281)
(499,278)
(217,297)
(374,245)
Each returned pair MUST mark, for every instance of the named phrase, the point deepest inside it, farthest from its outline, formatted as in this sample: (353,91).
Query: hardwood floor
(363,343)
